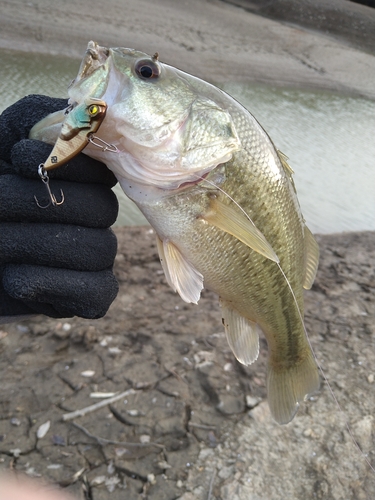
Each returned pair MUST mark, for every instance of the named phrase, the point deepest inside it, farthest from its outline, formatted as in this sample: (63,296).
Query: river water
(328,137)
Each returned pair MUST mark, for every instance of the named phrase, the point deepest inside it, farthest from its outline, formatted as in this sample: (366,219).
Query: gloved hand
(55,261)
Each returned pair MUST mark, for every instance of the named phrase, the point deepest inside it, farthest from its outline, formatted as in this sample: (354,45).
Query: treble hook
(52,198)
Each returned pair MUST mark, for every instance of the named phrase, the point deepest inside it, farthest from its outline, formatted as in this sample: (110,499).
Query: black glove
(55,261)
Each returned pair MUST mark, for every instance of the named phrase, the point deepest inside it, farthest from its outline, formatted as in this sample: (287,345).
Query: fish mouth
(94,57)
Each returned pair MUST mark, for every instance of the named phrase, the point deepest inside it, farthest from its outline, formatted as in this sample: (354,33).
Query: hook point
(52,198)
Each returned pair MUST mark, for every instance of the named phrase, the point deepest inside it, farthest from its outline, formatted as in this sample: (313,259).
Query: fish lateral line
(318,364)
(277,261)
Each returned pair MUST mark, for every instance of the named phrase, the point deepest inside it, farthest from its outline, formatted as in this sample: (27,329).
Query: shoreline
(215,40)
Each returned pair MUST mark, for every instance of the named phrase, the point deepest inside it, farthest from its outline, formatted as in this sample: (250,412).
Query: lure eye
(94,110)
(147,69)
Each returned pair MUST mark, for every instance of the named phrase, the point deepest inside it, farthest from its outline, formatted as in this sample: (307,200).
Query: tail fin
(287,388)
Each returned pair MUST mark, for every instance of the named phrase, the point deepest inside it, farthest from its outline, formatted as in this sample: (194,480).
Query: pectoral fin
(311,259)
(180,274)
(234,222)
(242,335)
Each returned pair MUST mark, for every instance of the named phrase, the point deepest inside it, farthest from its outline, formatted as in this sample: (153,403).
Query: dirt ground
(191,422)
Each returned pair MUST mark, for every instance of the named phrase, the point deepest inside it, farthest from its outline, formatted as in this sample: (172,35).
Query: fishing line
(350,432)
(355,442)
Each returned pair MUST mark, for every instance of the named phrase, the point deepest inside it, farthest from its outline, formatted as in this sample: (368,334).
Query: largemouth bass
(218,194)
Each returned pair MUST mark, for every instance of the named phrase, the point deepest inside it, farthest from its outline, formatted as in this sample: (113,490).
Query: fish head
(168,127)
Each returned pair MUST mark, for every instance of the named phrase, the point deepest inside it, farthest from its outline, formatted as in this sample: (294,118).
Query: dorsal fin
(180,274)
(235,222)
(284,161)
(311,259)
(242,334)
(287,168)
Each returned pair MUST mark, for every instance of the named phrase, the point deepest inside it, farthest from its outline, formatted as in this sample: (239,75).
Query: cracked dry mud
(194,424)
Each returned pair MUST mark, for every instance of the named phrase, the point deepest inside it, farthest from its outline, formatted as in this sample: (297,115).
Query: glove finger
(60,292)
(6,168)
(57,245)
(28,154)
(90,205)
(9,306)
(17,120)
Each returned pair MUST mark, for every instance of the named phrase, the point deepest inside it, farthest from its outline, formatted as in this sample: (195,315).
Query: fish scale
(221,199)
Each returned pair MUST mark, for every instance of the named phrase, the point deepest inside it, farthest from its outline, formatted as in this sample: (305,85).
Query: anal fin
(180,274)
(236,223)
(242,335)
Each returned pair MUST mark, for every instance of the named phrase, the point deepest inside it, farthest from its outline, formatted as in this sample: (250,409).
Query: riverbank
(214,40)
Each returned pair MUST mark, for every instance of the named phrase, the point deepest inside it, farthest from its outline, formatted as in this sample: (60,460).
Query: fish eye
(147,69)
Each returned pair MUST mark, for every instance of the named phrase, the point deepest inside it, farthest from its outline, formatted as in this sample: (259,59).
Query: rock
(231,405)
